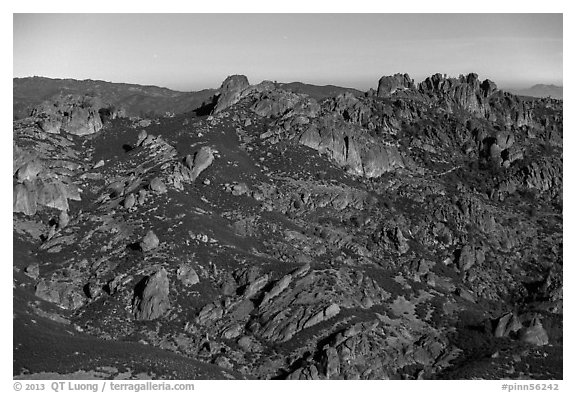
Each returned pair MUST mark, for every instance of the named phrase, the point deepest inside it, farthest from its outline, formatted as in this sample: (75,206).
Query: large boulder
(201,160)
(53,193)
(39,181)
(187,275)
(65,294)
(231,92)
(387,85)
(25,199)
(507,324)
(149,242)
(151,297)
(82,121)
(48,192)
(158,186)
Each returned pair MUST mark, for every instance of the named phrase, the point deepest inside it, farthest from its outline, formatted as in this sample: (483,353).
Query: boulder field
(411,232)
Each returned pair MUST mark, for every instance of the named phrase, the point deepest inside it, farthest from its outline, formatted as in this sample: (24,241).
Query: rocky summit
(413,232)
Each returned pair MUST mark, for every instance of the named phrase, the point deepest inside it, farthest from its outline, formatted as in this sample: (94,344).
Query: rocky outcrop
(151,297)
(351,108)
(231,92)
(465,92)
(388,85)
(72,114)
(299,300)
(45,191)
(541,175)
(544,175)
(482,99)
(275,103)
(352,148)
(45,169)
(347,355)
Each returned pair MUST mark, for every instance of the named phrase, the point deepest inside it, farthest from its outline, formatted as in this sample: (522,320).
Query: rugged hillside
(413,232)
(131,100)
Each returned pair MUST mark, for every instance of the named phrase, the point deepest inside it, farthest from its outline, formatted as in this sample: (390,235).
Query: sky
(196,51)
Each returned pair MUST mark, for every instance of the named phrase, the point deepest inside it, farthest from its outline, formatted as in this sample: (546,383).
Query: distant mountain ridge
(154,101)
(541,91)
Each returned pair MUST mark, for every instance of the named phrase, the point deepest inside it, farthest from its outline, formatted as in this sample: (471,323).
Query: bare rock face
(351,147)
(152,302)
(387,85)
(231,92)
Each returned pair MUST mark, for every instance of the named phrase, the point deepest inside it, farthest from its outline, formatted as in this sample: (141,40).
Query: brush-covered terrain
(410,232)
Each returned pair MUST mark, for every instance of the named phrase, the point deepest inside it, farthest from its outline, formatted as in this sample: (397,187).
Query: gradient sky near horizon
(196,51)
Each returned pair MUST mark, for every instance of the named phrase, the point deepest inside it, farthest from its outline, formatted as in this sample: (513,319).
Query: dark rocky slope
(414,233)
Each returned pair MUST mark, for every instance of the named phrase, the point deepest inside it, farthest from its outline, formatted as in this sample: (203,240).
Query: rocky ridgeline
(350,130)
(414,232)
